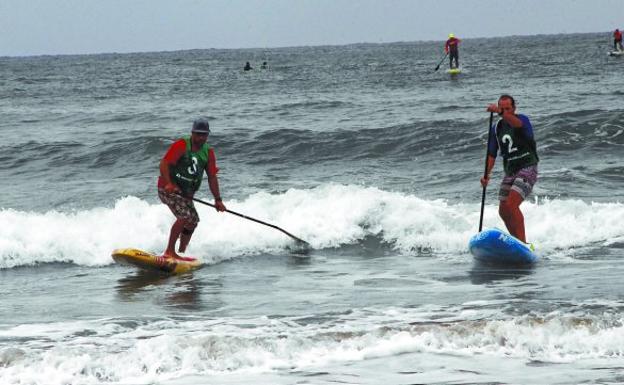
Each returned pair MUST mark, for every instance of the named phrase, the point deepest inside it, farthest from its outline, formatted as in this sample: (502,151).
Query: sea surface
(362,150)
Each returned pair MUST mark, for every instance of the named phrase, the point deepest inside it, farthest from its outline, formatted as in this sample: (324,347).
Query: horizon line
(283,47)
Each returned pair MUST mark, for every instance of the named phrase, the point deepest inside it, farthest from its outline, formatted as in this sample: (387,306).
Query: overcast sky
(33,27)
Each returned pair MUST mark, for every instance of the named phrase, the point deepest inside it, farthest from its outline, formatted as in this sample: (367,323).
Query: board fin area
(497,247)
(148,261)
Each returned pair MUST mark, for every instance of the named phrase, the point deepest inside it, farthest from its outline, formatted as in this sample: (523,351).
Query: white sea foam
(328,216)
(109,351)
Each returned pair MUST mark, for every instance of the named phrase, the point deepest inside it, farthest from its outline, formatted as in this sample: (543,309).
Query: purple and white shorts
(521,182)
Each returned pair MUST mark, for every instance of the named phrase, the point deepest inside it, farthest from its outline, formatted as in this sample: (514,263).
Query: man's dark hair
(507,96)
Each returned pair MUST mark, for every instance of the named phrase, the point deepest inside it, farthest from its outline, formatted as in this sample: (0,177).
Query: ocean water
(365,152)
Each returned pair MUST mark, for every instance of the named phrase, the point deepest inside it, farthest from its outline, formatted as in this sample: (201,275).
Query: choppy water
(363,151)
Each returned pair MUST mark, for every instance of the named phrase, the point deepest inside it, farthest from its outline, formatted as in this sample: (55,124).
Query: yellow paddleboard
(453,71)
(149,261)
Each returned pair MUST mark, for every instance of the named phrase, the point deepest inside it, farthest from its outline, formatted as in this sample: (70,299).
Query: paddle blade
(300,247)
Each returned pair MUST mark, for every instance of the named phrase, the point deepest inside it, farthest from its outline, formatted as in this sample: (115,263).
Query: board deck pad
(148,261)
(497,247)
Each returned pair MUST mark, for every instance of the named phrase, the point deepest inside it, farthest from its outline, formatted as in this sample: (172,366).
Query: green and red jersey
(187,167)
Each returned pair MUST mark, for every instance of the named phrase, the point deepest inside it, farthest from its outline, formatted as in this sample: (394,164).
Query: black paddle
(299,240)
(485,171)
(440,63)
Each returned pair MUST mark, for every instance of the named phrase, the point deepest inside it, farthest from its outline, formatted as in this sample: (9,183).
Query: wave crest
(330,216)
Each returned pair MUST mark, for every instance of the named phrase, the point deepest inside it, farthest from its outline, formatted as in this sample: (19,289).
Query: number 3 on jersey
(192,169)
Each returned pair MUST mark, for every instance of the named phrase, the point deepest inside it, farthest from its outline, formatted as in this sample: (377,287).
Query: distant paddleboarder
(452,47)
(512,135)
(247,67)
(181,172)
(617,40)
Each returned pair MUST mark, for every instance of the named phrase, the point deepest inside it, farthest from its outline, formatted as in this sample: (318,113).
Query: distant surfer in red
(181,172)
(617,40)
(512,135)
(452,47)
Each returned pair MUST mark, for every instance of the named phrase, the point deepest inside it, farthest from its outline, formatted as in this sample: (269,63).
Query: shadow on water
(194,292)
(180,291)
(482,273)
(186,293)
(132,284)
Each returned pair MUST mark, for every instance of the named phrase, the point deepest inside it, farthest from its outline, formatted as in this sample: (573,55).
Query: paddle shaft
(486,170)
(255,220)
(440,63)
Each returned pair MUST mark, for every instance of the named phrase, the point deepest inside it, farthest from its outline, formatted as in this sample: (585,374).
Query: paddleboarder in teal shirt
(181,173)
(512,136)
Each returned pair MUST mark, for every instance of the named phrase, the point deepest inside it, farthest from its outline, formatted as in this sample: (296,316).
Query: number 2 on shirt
(507,139)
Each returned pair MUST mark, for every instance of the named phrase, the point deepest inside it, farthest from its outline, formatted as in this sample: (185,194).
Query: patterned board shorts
(181,207)
(521,182)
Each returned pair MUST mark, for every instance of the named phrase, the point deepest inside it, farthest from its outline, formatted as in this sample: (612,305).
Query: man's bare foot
(170,254)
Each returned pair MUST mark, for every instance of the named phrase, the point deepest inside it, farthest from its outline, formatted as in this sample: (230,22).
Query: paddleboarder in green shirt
(181,172)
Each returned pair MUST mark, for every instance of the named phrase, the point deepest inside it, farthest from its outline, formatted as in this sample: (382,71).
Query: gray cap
(201,126)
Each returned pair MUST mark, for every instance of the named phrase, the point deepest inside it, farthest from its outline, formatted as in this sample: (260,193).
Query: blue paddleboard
(497,247)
